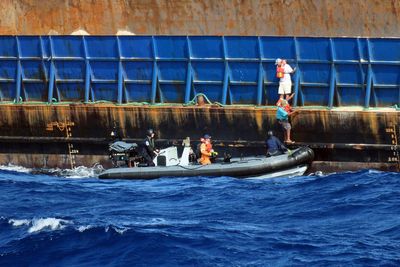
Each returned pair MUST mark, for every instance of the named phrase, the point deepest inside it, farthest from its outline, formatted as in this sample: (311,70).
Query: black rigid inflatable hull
(238,168)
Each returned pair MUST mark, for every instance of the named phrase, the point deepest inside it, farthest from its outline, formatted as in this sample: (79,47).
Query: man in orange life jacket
(283,71)
(206,150)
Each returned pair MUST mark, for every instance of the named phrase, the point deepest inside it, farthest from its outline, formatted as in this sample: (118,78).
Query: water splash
(15,168)
(36,225)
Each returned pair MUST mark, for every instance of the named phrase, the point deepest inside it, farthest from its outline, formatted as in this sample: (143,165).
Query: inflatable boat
(290,164)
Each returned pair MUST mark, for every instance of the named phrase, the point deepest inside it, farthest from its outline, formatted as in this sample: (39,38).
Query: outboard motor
(123,154)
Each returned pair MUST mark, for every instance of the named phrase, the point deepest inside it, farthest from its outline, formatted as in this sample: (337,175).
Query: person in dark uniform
(274,145)
(149,152)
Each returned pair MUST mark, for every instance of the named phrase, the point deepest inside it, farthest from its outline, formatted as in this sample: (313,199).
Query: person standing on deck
(283,71)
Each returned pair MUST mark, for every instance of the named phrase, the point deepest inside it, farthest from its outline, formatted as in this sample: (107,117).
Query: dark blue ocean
(343,219)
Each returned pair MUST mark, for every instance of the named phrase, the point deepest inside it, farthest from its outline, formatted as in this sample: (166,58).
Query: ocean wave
(17,223)
(37,225)
(75,173)
(15,168)
(53,224)
(312,220)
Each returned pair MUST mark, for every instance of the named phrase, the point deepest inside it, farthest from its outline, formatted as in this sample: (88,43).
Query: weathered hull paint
(72,135)
(368,18)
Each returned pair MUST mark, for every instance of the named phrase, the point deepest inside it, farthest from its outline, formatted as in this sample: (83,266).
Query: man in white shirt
(285,82)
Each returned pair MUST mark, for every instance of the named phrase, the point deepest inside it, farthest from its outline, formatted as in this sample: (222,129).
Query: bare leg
(288,135)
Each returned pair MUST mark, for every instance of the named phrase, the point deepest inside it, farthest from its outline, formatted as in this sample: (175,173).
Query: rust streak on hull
(368,18)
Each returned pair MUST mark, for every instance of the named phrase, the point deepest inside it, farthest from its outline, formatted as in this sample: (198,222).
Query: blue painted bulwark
(232,70)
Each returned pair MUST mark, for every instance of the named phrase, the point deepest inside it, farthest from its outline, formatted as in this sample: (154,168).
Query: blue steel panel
(7,91)
(136,70)
(8,46)
(363,48)
(30,46)
(386,74)
(208,71)
(67,70)
(46,46)
(271,95)
(383,97)
(102,46)
(314,49)
(104,70)
(172,93)
(171,47)
(211,73)
(206,47)
(244,71)
(36,91)
(350,74)
(105,91)
(315,73)
(138,92)
(243,94)
(172,71)
(317,79)
(349,96)
(33,69)
(385,49)
(212,91)
(136,46)
(282,47)
(347,75)
(242,47)
(8,69)
(346,49)
(68,46)
(315,96)
(70,91)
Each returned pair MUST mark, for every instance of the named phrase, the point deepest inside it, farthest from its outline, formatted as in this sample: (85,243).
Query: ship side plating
(62,95)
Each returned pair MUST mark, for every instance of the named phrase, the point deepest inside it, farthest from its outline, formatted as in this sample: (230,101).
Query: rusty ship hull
(66,136)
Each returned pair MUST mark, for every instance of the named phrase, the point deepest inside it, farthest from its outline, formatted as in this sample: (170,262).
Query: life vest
(287,108)
(209,147)
(280,72)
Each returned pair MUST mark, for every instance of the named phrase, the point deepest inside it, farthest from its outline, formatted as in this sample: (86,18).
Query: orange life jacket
(280,72)
(205,155)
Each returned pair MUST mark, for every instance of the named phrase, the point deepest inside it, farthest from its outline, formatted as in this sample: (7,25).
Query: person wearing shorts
(285,83)
(282,114)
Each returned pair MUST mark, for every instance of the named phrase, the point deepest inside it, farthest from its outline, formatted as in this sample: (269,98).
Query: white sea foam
(116,229)
(321,174)
(36,225)
(83,228)
(12,167)
(120,231)
(47,223)
(373,171)
(17,223)
(79,172)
